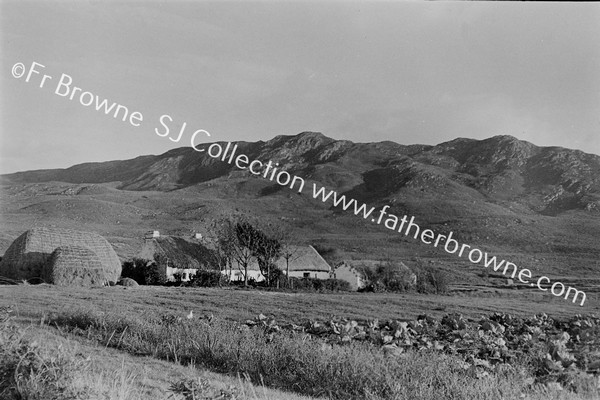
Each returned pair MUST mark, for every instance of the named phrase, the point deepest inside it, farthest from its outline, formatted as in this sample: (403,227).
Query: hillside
(540,206)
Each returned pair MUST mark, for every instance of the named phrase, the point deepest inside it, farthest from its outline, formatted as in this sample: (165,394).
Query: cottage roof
(180,252)
(304,258)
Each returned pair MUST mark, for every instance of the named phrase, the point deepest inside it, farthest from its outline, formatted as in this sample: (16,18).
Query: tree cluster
(144,272)
(243,241)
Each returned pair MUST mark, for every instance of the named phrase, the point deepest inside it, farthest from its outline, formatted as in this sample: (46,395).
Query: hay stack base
(74,266)
(128,282)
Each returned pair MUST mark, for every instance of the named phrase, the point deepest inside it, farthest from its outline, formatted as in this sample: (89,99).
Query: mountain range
(538,205)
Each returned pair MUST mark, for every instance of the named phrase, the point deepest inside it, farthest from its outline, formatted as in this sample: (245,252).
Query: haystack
(30,252)
(74,266)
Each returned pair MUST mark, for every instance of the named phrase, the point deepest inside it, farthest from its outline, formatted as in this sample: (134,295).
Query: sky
(410,72)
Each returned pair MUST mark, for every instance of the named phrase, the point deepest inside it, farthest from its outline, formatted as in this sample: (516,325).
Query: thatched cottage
(305,262)
(177,255)
(356,272)
(61,256)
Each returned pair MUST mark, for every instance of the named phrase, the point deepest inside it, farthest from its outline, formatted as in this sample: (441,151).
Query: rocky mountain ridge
(548,180)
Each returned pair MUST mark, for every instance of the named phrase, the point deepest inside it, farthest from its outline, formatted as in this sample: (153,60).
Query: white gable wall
(346,273)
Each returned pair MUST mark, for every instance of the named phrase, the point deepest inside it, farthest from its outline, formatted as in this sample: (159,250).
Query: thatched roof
(31,251)
(304,258)
(74,266)
(180,252)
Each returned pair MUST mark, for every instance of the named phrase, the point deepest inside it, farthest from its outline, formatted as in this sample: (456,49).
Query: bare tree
(220,239)
(288,247)
(267,247)
(242,240)
(242,243)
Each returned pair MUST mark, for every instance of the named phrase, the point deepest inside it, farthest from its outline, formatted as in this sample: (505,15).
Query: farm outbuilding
(34,256)
(347,272)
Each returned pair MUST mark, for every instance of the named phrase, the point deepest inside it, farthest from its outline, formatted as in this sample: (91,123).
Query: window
(306,275)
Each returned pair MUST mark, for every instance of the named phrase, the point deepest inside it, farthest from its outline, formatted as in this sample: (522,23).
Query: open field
(240,305)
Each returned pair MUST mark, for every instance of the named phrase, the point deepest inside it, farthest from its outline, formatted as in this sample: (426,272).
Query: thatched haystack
(30,252)
(74,266)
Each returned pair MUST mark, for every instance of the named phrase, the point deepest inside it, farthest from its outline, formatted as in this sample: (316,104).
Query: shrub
(373,287)
(432,280)
(152,272)
(208,278)
(336,285)
(135,269)
(178,278)
(301,284)
(275,275)
(144,272)
(314,284)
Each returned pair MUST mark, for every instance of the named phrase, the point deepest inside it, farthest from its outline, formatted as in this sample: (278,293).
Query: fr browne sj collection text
(64,87)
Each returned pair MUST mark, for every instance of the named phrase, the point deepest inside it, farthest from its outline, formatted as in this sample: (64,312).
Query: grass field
(51,314)
(239,305)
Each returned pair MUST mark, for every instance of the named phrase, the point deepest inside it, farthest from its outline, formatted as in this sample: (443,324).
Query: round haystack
(74,266)
(30,253)
(128,282)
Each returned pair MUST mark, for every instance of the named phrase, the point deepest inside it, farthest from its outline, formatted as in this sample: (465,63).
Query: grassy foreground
(151,323)
(301,364)
(38,362)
